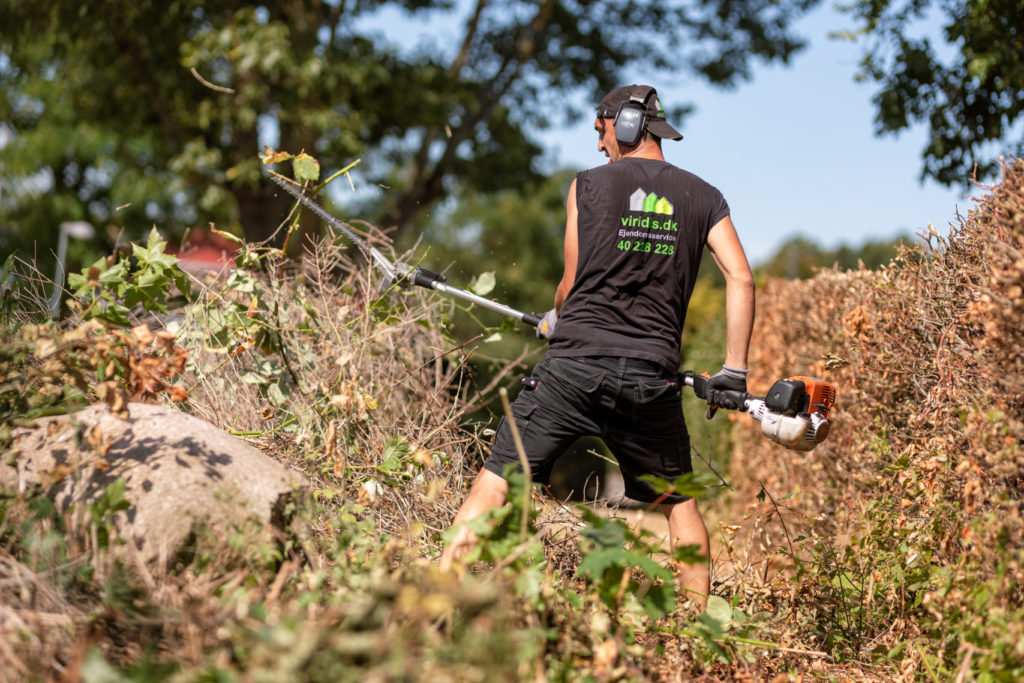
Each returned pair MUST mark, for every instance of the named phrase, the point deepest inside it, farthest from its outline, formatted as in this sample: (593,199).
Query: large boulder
(181,474)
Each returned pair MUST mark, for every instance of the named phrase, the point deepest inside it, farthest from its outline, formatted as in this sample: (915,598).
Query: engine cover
(796,432)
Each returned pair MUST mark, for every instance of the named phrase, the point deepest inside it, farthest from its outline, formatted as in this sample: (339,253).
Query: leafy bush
(50,368)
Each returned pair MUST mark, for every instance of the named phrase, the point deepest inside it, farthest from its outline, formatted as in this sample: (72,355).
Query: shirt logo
(648,202)
(642,201)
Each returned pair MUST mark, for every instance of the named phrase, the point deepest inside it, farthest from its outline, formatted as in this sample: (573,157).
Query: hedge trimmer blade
(385,266)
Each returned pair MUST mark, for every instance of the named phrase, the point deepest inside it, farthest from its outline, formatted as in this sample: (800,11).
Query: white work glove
(723,386)
(547,324)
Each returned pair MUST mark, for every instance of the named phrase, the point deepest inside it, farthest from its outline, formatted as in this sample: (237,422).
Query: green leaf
(529,582)
(306,168)
(78,284)
(242,281)
(693,484)
(611,534)
(596,563)
(689,554)
(253,378)
(719,609)
(396,450)
(156,248)
(113,276)
(660,600)
(114,313)
(650,567)
(182,281)
(150,278)
(112,500)
(276,396)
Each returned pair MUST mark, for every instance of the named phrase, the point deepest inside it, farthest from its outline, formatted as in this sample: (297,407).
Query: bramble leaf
(306,168)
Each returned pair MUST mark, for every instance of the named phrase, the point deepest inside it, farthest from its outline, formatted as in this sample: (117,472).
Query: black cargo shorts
(633,405)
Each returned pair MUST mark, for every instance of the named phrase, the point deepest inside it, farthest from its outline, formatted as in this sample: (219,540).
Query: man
(635,232)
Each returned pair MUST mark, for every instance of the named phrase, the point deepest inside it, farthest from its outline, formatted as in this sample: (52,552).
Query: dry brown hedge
(926,447)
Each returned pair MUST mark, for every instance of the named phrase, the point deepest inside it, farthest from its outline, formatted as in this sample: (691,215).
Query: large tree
(126,113)
(968,87)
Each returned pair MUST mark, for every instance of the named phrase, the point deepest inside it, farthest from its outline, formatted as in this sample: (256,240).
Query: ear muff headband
(631,119)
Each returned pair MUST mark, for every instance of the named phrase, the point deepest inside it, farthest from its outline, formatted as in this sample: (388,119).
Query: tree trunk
(262,211)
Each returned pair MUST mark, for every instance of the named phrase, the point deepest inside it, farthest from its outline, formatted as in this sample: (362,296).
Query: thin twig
(523,461)
(211,86)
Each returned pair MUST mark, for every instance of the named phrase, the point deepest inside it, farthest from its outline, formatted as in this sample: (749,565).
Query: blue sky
(794,153)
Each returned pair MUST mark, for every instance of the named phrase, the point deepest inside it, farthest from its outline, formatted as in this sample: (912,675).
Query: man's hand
(547,324)
(726,388)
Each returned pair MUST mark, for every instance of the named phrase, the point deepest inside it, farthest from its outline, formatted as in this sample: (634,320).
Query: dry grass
(353,372)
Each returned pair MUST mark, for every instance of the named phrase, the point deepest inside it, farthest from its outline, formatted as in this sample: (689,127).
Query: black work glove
(727,388)
(547,324)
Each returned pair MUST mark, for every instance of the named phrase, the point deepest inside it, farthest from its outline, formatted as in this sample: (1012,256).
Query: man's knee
(489,485)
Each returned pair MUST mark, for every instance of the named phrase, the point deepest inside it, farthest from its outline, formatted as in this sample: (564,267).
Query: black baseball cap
(656,122)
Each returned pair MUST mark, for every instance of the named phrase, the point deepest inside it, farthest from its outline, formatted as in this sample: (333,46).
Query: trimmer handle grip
(699,383)
(531,319)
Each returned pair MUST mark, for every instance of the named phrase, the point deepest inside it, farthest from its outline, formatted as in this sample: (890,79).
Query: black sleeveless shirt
(642,226)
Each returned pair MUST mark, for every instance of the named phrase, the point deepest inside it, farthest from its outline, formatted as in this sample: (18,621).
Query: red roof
(205,251)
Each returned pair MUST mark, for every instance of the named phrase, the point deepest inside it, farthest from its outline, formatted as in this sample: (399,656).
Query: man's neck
(647,149)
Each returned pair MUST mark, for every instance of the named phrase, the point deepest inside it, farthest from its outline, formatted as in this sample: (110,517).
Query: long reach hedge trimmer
(401,274)
(793,414)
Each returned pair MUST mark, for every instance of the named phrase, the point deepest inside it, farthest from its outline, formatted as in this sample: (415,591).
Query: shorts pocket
(655,403)
(584,377)
(652,392)
(504,442)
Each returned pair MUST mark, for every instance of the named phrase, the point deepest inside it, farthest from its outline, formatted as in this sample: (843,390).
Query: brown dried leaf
(143,335)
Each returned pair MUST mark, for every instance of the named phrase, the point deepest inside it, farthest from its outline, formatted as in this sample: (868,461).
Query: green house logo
(648,202)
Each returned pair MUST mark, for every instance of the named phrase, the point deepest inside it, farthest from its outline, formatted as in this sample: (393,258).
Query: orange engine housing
(821,394)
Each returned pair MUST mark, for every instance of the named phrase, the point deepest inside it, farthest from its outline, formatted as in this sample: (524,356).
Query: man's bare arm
(571,249)
(726,250)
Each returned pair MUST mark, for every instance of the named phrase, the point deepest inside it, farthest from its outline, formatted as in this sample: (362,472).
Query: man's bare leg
(686,527)
(488,492)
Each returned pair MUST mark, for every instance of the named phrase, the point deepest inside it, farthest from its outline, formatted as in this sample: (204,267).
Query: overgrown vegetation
(893,551)
(363,392)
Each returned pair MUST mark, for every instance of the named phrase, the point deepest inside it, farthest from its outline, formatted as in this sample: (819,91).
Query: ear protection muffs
(631,119)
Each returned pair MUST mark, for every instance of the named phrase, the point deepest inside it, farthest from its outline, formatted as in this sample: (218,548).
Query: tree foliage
(125,113)
(799,258)
(969,91)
